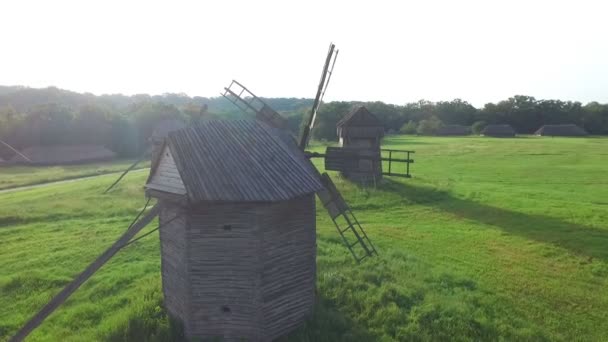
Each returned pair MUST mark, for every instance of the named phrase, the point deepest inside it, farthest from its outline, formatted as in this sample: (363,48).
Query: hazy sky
(393,51)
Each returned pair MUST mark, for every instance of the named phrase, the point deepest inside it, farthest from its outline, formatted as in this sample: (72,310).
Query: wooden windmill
(360,132)
(237,226)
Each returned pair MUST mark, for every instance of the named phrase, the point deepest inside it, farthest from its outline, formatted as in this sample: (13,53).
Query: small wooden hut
(454,130)
(561,131)
(361,133)
(238,241)
(498,131)
(360,128)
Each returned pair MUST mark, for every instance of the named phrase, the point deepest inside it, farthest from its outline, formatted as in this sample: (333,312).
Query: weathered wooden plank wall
(289,265)
(174,254)
(224,269)
(166,177)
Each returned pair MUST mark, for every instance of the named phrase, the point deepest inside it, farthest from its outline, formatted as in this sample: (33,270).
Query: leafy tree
(478,126)
(409,128)
(429,126)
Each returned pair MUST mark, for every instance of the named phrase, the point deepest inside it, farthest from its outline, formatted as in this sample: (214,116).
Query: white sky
(393,51)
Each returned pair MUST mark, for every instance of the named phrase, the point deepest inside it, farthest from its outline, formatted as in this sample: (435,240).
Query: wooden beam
(15,150)
(67,291)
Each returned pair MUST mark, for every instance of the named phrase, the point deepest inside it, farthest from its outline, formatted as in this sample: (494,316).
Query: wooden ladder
(346,222)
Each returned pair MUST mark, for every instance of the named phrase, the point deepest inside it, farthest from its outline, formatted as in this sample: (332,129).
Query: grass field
(491,240)
(16,176)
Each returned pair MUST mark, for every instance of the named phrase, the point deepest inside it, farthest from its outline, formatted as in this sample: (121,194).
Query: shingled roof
(359,116)
(240,161)
(568,130)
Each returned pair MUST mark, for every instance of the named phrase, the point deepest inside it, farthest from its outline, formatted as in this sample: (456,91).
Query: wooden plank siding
(240,271)
(224,271)
(289,265)
(174,255)
(166,177)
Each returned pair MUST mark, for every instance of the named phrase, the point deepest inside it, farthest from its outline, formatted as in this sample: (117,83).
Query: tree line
(53,116)
(525,113)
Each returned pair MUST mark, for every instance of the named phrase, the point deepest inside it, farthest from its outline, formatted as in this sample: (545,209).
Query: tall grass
(491,240)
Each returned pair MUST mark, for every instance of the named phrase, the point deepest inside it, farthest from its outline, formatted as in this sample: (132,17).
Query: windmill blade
(62,296)
(344,219)
(139,160)
(323,83)
(246,101)
(15,150)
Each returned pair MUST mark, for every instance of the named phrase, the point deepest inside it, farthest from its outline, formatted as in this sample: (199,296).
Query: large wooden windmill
(236,209)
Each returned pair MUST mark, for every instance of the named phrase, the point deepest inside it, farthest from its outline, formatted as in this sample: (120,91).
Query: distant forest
(52,116)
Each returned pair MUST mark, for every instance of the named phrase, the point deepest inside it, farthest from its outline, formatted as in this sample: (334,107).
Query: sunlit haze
(392,51)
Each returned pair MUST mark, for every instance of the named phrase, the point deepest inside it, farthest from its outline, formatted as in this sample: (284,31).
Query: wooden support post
(65,293)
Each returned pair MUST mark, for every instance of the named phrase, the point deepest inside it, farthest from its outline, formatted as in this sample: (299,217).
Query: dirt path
(33,186)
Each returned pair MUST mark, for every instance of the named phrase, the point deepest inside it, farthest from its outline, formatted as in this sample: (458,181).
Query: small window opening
(227,227)
(225,309)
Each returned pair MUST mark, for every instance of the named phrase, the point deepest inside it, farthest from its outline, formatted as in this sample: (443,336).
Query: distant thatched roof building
(454,130)
(63,154)
(568,130)
(502,131)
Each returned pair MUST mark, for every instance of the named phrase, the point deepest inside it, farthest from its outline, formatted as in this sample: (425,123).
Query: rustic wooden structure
(361,133)
(239,263)
(568,130)
(237,225)
(498,131)
(360,128)
(453,130)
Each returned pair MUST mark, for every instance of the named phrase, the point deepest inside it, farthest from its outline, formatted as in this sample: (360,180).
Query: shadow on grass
(328,324)
(579,239)
(152,323)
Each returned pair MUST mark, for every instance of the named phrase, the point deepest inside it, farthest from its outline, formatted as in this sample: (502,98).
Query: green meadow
(492,239)
(16,176)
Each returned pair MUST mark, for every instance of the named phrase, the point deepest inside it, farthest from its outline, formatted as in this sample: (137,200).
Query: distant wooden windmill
(236,215)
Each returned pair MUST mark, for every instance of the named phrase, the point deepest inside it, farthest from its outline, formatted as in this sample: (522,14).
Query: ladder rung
(345,229)
(353,244)
(363,257)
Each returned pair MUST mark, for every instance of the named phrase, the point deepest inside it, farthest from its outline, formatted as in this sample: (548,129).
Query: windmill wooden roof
(360,117)
(239,161)
(498,131)
(568,130)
